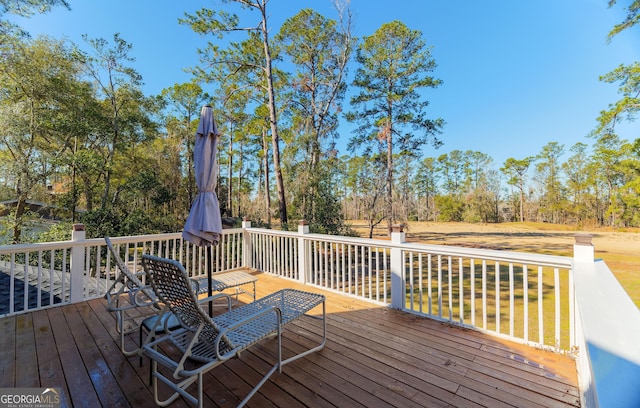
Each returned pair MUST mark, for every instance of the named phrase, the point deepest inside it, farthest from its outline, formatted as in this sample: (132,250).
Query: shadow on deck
(375,357)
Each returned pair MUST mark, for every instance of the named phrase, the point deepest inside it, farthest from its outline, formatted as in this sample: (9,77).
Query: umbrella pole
(209,249)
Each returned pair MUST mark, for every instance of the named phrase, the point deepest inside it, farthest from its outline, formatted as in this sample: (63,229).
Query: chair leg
(121,323)
(200,390)
(179,389)
(150,371)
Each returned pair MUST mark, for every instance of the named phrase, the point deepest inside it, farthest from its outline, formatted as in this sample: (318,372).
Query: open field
(619,249)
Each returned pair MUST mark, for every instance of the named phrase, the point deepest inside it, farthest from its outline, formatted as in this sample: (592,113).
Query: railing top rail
(45,246)
(38,246)
(447,250)
(493,254)
(267,231)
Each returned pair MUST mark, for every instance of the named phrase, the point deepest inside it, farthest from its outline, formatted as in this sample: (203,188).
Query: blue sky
(517,74)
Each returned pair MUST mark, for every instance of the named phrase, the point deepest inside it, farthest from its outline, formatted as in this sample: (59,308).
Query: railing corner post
(246,243)
(303,229)
(583,250)
(77,264)
(397,266)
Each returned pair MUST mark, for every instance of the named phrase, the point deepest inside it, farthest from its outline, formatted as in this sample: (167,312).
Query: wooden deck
(375,357)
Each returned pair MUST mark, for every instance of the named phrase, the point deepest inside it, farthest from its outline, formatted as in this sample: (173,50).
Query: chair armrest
(143,296)
(113,304)
(116,303)
(217,296)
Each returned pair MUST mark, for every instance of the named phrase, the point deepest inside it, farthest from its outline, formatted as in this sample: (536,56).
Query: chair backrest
(126,276)
(171,284)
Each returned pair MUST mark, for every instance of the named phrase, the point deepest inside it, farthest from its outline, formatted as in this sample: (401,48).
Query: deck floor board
(374,357)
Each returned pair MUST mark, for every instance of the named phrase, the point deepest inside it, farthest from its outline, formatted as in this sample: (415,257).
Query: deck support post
(397,269)
(303,270)
(247,248)
(608,329)
(77,264)
(583,251)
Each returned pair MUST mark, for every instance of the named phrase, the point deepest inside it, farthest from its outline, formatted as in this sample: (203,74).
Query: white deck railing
(518,295)
(36,276)
(534,302)
(524,297)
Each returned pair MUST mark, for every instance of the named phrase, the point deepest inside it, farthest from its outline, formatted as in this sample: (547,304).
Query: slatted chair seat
(211,341)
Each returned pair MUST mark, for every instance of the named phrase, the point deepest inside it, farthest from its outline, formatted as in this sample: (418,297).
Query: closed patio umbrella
(204,224)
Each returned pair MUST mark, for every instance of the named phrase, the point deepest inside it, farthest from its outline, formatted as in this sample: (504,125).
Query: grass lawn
(620,249)
(522,321)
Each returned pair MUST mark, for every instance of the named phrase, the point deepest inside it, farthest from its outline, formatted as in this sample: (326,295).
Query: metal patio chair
(134,303)
(129,299)
(203,342)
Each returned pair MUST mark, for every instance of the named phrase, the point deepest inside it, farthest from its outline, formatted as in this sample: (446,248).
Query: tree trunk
(112,152)
(239,185)
(265,160)
(230,177)
(74,196)
(190,177)
(88,193)
(17,226)
(521,205)
(273,121)
(389,200)
(74,185)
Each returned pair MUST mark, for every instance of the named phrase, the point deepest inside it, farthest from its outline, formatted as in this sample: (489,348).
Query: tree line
(77,131)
